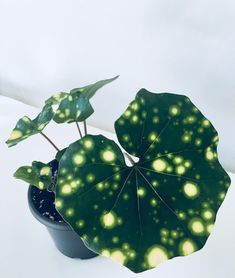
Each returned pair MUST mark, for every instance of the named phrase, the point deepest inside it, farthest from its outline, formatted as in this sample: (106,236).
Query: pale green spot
(159,165)
(191,190)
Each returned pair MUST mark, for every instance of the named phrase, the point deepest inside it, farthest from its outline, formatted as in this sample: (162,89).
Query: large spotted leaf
(74,108)
(163,206)
(26,127)
(90,90)
(39,175)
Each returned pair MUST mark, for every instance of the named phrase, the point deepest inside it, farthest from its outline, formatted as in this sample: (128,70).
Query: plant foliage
(162,206)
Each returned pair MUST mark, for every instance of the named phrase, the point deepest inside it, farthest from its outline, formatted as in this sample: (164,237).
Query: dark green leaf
(90,90)
(162,207)
(39,175)
(74,108)
(59,154)
(26,127)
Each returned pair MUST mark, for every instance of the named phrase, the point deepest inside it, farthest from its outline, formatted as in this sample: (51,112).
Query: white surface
(27,251)
(177,46)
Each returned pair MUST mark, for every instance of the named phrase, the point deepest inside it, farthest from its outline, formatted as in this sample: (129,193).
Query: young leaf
(26,127)
(163,206)
(39,175)
(90,90)
(74,108)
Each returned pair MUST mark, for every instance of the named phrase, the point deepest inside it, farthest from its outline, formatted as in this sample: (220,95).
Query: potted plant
(155,200)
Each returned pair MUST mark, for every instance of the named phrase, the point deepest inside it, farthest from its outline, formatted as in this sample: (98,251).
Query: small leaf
(162,207)
(90,90)
(74,108)
(39,175)
(26,127)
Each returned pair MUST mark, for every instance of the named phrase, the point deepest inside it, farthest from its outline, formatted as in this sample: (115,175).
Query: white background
(163,45)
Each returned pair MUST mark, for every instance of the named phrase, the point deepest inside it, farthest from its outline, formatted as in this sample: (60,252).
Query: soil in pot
(42,206)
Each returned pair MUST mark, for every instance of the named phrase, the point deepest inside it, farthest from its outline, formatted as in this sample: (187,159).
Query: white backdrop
(178,46)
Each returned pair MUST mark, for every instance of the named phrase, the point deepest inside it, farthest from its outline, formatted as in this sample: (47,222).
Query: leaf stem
(49,140)
(85,127)
(79,130)
(129,158)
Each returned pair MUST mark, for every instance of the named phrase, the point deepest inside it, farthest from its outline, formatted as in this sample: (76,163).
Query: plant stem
(79,130)
(49,140)
(129,158)
(85,127)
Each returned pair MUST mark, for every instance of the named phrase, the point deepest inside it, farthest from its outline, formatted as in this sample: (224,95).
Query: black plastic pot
(65,239)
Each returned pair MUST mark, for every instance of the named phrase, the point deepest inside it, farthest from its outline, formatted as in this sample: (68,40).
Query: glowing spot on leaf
(135,106)
(187,247)
(41,126)
(209,154)
(180,169)
(80,223)
(208,214)
(155,119)
(156,255)
(155,183)
(90,177)
(141,192)
(196,226)
(45,171)
(186,138)
(153,202)
(198,142)
(222,195)
(41,185)
(105,253)
(88,144)
(182,215)
(109,220)
(178,159)
(66,189)
(209,228)
(108,156)
(134,119)
(125,196)
(191,190)
(152,136)
(127,113)
(16,134)
(115,239)
(187,163)
(159,165)
(78,113)
(206,123)
(164,232)
(69,212)
(58,203)
(126,137)
(78,159)
(118,257)
(174,110)
(26,119)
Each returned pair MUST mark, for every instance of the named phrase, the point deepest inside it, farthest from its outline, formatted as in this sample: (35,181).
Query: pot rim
(49,223)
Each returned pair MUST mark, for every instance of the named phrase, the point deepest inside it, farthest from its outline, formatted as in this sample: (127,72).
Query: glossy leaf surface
(163,206)
(39,175)
(26,127)
(90,90)
(74,108)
